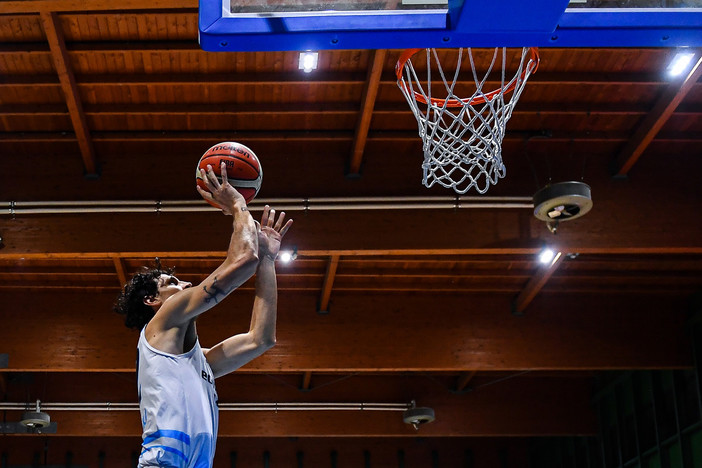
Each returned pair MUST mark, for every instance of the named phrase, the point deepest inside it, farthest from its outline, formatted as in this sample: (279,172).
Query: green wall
(647,419)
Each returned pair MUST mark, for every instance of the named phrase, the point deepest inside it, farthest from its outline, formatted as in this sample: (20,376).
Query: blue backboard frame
(469,23)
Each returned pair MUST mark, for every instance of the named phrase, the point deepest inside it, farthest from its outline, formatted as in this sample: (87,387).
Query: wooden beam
(29,110)
(463,380)
(340,108)
(324,136)
(536,283)
(54,36)
(306,379)
(24,48)
(119,268)
(191,136)
(355,232)
(372,332)
(22,81)
(41,6)
(261,135)
(654,121)
(148,256)
(328,284)
(196,79)
(528,407)
(365,282)
(370,91)
(245,387)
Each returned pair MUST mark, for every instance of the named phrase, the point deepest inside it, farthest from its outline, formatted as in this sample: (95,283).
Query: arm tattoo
(213,292)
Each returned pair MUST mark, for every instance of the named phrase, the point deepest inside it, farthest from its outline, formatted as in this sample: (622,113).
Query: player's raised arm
(239,265)
(238,350)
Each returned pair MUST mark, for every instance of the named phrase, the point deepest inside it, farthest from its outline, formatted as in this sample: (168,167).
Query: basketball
(244,171)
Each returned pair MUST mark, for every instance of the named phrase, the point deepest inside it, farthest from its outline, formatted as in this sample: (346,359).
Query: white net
(462,137)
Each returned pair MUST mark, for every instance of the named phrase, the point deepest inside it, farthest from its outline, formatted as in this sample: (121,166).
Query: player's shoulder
(164,339)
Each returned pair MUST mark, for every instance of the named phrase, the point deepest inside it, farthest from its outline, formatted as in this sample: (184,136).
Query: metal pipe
(108,406)
(15,208)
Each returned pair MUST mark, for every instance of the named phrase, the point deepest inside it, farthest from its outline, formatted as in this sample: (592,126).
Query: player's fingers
(271,218)
(203,176)
(204,193)
(223,171)
(279,223)
(212,177)
(286,227)
(264,216)
(207,196)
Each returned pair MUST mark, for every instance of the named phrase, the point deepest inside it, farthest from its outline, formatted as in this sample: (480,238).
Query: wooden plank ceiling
(391,298)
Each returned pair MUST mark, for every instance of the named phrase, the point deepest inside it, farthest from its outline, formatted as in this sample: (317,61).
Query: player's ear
(152,301)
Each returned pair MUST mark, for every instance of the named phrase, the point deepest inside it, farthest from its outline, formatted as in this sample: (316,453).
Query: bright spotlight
(287,256)
(546,256)
(308,61)
(680,63)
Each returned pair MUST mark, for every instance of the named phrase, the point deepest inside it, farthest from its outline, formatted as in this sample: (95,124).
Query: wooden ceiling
(398,292)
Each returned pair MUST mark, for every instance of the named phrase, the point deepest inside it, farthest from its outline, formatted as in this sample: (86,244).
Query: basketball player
(175,376)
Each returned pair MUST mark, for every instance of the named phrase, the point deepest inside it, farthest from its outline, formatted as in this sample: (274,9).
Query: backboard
(258,25)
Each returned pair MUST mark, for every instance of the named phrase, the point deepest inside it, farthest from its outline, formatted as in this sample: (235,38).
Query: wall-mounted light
(308,61)
(680,63)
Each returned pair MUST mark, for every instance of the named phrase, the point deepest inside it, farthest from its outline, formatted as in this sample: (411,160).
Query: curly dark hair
(130,302)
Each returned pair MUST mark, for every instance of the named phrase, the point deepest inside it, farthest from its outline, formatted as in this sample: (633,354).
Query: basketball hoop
(462,137)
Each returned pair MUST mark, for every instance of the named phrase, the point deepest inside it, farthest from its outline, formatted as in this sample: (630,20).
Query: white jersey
(178,405)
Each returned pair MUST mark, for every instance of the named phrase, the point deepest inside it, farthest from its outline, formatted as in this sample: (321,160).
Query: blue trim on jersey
(171,434)
(203,461)
(167,449)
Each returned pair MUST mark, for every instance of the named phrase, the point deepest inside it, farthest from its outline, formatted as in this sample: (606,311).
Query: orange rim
(408,53)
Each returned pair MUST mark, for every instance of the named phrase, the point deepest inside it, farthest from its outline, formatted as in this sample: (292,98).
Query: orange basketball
(244,171)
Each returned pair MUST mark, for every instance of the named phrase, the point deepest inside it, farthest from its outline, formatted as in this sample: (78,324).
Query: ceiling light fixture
(308,61)
(680,63)
(287,256)
(546,256)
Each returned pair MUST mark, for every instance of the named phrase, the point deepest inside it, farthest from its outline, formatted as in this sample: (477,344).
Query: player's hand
(222,194)
(271,233)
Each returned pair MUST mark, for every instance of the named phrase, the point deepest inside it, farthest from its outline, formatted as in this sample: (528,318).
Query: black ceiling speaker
(563,201)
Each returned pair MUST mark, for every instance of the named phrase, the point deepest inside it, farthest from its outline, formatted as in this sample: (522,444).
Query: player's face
(169,285)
